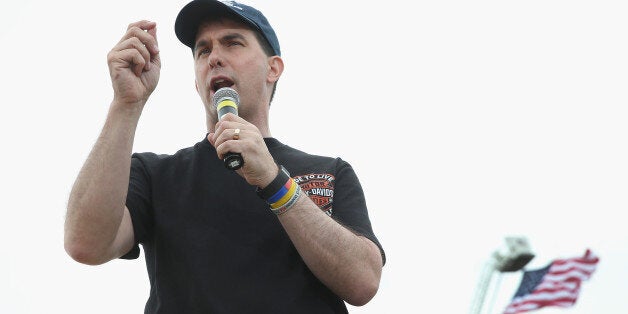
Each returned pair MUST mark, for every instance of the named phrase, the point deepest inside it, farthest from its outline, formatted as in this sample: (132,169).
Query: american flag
(557,284)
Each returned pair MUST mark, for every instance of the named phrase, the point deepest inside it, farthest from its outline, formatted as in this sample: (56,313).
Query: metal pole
(513,257)
(498,281)
(483,284)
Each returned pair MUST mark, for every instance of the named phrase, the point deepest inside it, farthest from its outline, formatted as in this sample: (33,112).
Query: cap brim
(195,12)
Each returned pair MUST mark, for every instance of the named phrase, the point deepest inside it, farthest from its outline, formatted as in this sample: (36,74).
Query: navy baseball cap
(198,11)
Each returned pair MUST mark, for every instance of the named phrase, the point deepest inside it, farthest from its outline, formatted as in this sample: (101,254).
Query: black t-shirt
(213,246)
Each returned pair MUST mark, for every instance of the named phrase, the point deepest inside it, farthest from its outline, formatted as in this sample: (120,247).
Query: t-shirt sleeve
(349,204)
(138,201)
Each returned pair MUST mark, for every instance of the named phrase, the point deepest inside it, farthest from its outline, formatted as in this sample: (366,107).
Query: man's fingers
(140,36)
(147,36)
(138,63)
(129,58)
(135,43)
(143,24)
(153,32)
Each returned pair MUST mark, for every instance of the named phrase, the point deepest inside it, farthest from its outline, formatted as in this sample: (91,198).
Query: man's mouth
(219,83)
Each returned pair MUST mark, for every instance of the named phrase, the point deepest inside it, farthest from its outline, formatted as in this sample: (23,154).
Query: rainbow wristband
(284,195)
(293,200)
(275,186)
(283,191)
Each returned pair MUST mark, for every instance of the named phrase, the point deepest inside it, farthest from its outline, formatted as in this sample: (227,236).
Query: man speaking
(283,232)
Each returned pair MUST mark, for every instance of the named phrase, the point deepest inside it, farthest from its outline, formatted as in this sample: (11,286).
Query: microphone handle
(233,161)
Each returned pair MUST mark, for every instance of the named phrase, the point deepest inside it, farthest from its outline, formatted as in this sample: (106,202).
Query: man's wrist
(275,185)
(128,109)
(269,177)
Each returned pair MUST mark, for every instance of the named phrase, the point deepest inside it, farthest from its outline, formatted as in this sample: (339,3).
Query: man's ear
(196,85)
(275,68)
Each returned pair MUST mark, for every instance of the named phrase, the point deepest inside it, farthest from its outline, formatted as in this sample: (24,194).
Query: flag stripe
(559,285)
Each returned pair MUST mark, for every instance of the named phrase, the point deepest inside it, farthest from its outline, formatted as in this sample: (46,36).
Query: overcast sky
(466,122)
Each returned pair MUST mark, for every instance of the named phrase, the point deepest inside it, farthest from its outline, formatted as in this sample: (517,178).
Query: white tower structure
(511,257)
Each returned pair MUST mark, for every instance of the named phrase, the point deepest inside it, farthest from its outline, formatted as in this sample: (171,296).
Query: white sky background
(465,121)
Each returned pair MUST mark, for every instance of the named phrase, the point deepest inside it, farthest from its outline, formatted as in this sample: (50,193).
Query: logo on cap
(231,4)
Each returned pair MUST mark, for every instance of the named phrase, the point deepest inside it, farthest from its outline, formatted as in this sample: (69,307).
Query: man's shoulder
(299,155)
(163,157)
(155,159)
(299,162)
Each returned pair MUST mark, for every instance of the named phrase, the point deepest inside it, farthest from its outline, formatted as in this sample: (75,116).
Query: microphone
(227,100)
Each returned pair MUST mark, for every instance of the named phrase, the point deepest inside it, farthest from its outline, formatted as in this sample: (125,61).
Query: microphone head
(226,93)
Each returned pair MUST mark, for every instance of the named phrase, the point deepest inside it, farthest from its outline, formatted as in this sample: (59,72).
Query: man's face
(227,54)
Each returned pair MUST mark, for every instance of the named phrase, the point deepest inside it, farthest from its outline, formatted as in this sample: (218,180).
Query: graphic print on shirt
(319,187)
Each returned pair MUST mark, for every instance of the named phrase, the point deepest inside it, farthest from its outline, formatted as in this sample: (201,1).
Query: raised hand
(134,64)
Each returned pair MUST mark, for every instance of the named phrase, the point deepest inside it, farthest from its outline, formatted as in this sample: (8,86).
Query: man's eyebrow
(201,43)
(227,37)
(232,36)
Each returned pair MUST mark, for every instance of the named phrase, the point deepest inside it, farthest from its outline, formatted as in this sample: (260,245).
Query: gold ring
(236,134)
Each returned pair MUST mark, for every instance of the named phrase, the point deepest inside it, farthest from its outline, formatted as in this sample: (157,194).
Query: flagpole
(512,257)
(482,287)
(498,282)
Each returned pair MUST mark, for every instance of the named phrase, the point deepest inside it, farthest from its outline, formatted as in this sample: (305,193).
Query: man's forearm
(97,200)
(349,264)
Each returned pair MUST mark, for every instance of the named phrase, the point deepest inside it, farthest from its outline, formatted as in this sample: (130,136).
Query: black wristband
(280,180)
